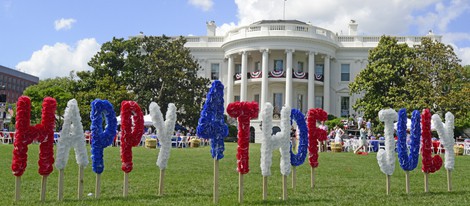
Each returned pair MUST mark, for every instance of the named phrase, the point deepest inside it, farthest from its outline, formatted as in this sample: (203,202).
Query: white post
(243,86)
(289,78)
(326,85)
(230,81)
(311,80)
(264,79)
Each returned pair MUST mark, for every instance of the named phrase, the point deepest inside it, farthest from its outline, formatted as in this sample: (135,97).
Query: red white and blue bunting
(277,74)
(255,75)
(300,75)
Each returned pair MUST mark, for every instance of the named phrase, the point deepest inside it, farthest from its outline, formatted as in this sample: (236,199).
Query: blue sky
(50,38)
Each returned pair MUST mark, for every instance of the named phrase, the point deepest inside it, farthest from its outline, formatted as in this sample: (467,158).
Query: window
(319,69)
(257,98)
(214,71)
(344,72)
(300,101)
(277,100)
(238,68)
(278,65)
(344,106)
(300,66)
(237,98)
(319,102)
(257,66)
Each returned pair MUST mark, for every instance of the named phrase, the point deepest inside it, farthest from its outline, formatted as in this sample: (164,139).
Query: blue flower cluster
(101,139)
(299,158)
(409,161)
(211,124)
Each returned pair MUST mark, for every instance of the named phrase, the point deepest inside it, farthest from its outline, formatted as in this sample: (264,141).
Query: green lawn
(341,179)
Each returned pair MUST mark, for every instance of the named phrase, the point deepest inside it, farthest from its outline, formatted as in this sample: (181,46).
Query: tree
(156,69)
(58,88)
(88,89)
(424,76)
(382,81)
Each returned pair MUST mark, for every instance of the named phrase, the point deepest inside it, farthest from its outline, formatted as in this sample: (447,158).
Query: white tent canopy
(147,120)
(408,125)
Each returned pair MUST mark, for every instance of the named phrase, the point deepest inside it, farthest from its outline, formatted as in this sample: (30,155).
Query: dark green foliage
(424,76)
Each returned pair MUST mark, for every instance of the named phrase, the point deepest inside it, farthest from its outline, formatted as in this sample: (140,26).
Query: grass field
(341,179)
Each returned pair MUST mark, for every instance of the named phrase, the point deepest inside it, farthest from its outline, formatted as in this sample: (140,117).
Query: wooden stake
(388,184)
(17,188)
(240,188)
(284,187)
(426,187)
(60,195)
(265,187)
(80,182)
(407,181)
(43,188)
(216,181)
(125,189)
(449,181)
(294,177)
(160,184)
(98,186)
(312,178)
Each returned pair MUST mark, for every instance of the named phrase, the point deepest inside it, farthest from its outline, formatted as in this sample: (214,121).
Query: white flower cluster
(446,135)
(271,142)
(164,131)
(386,158)
(71,136)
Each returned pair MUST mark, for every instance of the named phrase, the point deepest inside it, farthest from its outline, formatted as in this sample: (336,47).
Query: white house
(287,62)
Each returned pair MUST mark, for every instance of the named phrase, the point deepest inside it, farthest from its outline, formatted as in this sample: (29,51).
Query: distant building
(13,83)
(287,62)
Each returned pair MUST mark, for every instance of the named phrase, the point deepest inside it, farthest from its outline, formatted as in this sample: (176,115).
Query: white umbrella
(147,120)
(408,125)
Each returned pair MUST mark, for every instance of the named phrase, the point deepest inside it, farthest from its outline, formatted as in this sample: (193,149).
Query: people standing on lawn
(362,139)
(339,133)
(369,128)
(323,146)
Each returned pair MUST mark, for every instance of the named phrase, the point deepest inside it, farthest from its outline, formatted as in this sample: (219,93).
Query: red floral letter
(315,134)
(131,132)
(26,134)
(243,111)
(430,163)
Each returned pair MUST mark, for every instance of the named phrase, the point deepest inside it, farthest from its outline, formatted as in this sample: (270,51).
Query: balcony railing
(277,74)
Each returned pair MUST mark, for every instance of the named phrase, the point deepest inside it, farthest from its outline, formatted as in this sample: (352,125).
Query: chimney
(211,28)
(352,28)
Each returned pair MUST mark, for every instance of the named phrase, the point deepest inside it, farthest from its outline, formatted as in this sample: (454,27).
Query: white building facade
(287,62)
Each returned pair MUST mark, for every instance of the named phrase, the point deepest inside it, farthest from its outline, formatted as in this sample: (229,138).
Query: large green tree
(428,75)
(58,88)
(153,68)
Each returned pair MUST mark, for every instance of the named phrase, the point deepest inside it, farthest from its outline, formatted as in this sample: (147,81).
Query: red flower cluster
(430,164)
(26,134)
(131,132)
(243,111)
(315,134)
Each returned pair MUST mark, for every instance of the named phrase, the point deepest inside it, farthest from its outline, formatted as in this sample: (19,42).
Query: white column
(326,85)
(289,77)
(243,86)
(264,78)
(230,81)
(311,80)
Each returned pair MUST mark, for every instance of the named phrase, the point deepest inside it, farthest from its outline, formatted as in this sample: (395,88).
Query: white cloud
(60,59)
(63,24)
(205,5)
(442,15)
